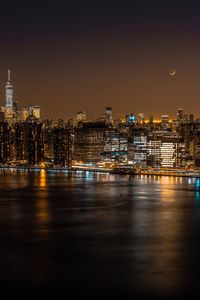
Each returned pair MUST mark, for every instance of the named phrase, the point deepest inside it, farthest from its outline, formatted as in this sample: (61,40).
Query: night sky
(69,56)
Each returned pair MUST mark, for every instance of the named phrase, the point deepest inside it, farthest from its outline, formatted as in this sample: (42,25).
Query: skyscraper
(8,108)
(35,111)
(109,115)
(9,92)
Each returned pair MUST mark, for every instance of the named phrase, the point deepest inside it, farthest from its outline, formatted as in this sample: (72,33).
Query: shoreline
(152,172)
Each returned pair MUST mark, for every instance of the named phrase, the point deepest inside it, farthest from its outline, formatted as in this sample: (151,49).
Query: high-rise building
(138,146)
(28,142)
(81,117)
(21,142)
(89,142)
(115,145)
(24,113)
(191,118)
(109,115)
(180,114)
(1,116)
(35,111)
(16,112)
(8,108)
(130,119)
(165,149)
(4,142)
(35,151)
(62,146)
(151,119)
(11,113)
(9,92)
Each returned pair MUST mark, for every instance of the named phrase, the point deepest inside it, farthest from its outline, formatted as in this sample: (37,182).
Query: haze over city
(81,55)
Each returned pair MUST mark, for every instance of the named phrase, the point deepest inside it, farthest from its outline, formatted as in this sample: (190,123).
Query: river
(85,235)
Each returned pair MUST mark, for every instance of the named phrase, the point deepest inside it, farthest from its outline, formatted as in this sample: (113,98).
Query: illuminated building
(62,146)
(194,150)
(151,119)
(115,145)
(4,143)
(11,113)
(165,149)
(48,142)
(165,122)
(140,117)
(138,146)
(35,142)
(130,119)
(8,108)
(153,151)
(168,154)
(197,155)
(81,117)
(109,115)
(24,113)
(16,112)
(9,92)
(89,142)
(165,119)
(35,111)
(21,142)
(28,142)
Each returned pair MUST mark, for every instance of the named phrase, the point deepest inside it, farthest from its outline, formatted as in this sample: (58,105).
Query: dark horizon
(68,57)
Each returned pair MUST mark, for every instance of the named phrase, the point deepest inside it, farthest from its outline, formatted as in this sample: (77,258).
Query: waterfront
(93,234)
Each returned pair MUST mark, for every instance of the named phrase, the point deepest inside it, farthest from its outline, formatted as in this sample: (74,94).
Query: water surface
(86,235)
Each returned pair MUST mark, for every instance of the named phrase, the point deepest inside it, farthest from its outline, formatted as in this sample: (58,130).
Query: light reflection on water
(42,204)
(145,229)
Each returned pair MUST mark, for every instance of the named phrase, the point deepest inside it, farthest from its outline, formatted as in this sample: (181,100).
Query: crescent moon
(172,73)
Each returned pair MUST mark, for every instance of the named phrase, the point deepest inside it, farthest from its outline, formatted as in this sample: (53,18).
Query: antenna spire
(8,75)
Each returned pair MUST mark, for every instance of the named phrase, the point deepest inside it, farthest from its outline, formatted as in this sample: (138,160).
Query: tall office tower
(9,92)
(24,113)
(35,153)
(138,146)
(151,119)
(16,111)
(35,111)
(109,115)
(130,119)
(21,142)
(4,143)
(62,146)
(180,114)
(8,108)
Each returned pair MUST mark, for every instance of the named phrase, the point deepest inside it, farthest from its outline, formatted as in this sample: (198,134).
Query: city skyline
(9,100)
(99,149)
(80,56)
